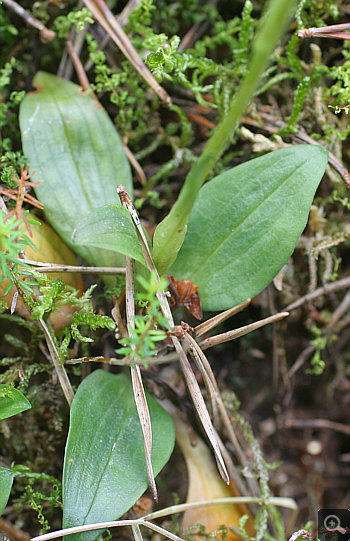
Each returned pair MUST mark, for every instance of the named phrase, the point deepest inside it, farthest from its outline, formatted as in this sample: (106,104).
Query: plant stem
(170,233)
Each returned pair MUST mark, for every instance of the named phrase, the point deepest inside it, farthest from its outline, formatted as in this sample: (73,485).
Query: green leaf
(104,470)
(170,233)
(77,154)
(6,480)
(246,222)
(110,227)
(12,401)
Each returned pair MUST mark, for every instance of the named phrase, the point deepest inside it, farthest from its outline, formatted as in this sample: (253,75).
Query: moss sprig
(79,18)
(149,327)
(12,242)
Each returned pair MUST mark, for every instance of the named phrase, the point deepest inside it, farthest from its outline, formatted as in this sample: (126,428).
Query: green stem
(170,233)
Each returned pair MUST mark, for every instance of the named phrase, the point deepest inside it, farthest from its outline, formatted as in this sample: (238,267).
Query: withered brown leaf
(185,293)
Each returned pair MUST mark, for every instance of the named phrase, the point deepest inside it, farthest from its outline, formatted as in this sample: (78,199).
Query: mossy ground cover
(291,378)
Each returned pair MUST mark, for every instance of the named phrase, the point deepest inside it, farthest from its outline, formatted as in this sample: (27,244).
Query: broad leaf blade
(110,227)
(77,154)
(6,480)
(12,401)
(246,222)
(104,470)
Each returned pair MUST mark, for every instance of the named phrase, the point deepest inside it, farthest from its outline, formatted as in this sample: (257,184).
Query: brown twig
(41,266)
(122,20)
(317,423)
(344,283)
(105,17)
(277,124)
(12,531)
(302,358)
(55,358)
(125,361)
(135,164)
(46,35)
(79,68)
(20,195)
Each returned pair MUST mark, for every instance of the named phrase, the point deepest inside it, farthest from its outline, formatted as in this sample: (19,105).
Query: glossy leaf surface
(6,480)
(246,222)
(12,401)
(77,154)
(110,227)
(104,470)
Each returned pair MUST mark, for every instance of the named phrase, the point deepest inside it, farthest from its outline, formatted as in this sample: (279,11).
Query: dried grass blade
(201,408)
(127,203)
(139,392)
(206,377)
(105,17)
(61,373)
(192,345)
(162,531)
(334,31)
(136,532)
(236,333)
(191,381)
(206,326)
(145,420)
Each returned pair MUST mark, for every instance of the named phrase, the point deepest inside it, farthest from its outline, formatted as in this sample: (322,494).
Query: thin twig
(65,68)
(125,361)
(135,164)
(129,8)
(302,358)
(288,503)
(15,533)
(122,19)
(344,283)
(104,526)
(46,35)
(162,531)
(83,80)
(340,311)
(53,267)
(105,17)
(60,370)
(300,135)
(317,423)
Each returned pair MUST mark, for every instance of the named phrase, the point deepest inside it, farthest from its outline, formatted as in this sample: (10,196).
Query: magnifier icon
(332,524)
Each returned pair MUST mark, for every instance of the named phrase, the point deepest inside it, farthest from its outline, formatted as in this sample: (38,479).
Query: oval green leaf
(6,480)
(104,470)
(110,227)
(12,401)
(77,154)
(246,222)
